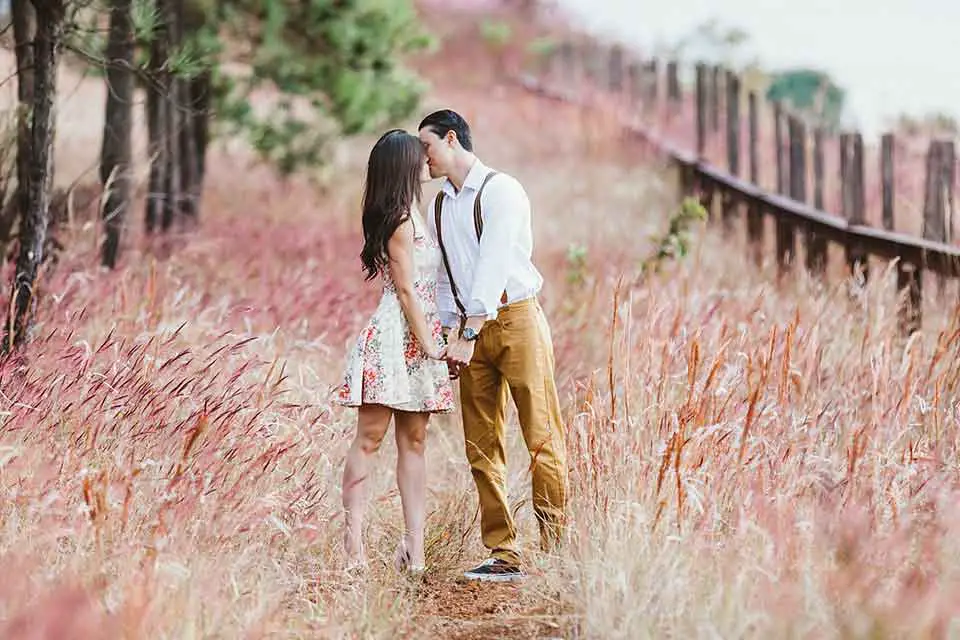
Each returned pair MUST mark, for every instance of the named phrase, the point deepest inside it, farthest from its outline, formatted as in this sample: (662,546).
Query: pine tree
(335,66)
(116,153)
(47,43)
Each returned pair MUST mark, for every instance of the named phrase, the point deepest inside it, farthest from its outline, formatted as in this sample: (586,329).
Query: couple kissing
(458,304)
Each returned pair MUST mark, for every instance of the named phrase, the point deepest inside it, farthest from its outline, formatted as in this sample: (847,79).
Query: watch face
(469,334)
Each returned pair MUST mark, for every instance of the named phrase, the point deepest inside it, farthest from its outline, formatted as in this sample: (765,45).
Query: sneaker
(495,570)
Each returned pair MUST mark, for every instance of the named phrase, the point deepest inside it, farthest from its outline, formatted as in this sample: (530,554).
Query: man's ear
(451,137)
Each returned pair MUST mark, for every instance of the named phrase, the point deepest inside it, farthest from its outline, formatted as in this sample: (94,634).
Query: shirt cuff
(477,309)
(485,316)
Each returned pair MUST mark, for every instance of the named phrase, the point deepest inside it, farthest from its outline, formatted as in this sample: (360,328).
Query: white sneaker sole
(477,577)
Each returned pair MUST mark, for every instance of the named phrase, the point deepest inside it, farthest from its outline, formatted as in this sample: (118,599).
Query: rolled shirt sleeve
(506,208)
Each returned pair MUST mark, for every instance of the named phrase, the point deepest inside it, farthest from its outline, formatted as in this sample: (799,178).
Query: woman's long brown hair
(392,188)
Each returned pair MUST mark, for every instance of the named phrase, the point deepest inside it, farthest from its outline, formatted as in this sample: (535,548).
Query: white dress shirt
(501,262)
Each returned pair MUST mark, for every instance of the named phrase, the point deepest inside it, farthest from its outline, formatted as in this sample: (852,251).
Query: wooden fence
(654,108)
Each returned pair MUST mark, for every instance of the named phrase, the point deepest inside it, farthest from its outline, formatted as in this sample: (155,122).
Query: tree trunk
(24,30)
(172,177)
(33,231)
(157,87)
(190,201)
(172,204)
(116,153)
(201,89)
(187,139)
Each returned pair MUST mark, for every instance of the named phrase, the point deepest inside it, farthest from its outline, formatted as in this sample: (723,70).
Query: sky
(883,52)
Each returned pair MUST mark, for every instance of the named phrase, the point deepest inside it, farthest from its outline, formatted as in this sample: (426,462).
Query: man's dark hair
(443,121)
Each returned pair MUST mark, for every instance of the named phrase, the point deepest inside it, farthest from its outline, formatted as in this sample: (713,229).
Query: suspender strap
(437,211)
(477,214)
(477,225)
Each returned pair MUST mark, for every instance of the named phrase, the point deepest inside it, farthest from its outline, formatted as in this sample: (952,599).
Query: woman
(395,367)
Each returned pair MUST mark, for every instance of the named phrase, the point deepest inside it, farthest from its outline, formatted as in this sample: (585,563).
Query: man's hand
(459,353)
(453,370)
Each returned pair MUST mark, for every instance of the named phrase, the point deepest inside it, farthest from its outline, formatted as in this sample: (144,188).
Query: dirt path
(501,115)
(462,610)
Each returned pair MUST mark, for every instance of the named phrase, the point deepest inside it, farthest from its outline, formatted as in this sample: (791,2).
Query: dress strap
(417,234)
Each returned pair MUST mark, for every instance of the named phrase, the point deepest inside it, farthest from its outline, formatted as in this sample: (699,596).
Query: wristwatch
(469,334)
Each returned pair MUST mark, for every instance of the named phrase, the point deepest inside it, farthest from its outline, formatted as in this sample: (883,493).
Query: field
(747,460)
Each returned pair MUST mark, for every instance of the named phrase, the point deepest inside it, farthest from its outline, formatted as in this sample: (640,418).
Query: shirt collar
(473,180)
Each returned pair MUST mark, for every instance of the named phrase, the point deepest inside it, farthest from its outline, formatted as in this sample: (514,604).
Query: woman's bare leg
(411,431)
(372,424)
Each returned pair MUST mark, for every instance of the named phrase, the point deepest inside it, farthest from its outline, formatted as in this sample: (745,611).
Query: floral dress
(386,364)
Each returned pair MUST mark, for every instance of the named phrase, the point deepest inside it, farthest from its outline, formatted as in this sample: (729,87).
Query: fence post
(635,79)
(654,80)
(818,169)
(715,99)
(847,204)
(733,144)
(935,198)
(886,180)
(705,192)
(673,80)
(701,98)
(578,66)
(907,271)
(844,150)
(567,63)
(857,257)
(948,166)
(615,69)
(785,232)
(816,244)
(754,214)
(798,164)
(778,148)
(591,62)
(934,223)
(673,89)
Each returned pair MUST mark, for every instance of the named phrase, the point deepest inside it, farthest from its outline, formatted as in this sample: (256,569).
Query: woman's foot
(403,561)
(356,560)
(355,568)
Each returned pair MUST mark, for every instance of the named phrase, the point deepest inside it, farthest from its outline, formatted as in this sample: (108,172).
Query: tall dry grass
(746,460)
(763,464)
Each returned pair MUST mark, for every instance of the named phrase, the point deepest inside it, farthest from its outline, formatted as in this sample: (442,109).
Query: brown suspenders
(477,225)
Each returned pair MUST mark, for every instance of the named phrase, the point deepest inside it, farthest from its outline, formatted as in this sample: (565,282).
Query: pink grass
(745,460)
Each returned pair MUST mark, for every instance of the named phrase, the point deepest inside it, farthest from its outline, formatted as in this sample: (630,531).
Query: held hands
(459,354)
(436,353)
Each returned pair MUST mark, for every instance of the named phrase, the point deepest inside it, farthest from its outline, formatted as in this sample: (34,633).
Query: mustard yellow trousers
(515,353)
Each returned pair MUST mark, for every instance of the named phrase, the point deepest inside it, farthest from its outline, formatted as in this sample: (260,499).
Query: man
(498,337)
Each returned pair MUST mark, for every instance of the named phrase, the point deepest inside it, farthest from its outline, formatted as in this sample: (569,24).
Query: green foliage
(540,50)
(86,38)
(496,33)
(335,63)
(576,264)
(931,124)
(809,91)
(145,20)
(675,242)
(712,43)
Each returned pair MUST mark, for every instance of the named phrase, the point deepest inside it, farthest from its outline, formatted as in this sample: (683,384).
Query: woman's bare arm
(400,249)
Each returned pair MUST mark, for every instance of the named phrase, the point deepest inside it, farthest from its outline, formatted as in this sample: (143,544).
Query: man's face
(439,152)
(425,176)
